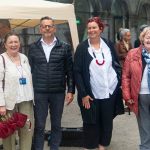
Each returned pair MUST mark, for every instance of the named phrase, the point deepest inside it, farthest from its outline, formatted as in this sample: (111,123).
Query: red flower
(8,125)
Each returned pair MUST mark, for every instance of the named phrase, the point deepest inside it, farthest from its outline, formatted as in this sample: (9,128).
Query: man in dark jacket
(52,68)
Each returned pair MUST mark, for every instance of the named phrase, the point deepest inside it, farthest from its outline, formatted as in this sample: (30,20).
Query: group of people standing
(37,82)
(42,81)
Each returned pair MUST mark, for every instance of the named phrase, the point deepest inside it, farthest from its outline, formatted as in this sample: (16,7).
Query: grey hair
(123,32)
(46,18)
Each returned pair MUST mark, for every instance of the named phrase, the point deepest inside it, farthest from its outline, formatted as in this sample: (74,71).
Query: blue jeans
(55,103)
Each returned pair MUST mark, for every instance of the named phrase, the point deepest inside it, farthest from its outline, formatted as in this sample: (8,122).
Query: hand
(2,110)
(69,98)
(86,101)
(130,101)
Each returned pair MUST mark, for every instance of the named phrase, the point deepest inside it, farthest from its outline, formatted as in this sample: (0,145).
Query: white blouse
(103,78)
(23,88)
(14,92)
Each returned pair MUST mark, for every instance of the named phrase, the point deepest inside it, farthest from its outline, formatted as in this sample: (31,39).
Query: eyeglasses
(47,26)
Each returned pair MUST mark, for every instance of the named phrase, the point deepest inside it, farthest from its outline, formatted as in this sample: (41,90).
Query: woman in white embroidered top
(97,76)
(18,91)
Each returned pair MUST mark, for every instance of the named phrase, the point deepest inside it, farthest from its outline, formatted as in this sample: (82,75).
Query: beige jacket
(9,96)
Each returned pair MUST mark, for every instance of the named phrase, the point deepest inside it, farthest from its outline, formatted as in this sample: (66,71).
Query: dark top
(137,43)
(82,61)
(51,76)
(2,48)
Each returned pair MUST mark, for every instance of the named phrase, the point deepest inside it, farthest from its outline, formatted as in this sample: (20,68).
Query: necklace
(97,62)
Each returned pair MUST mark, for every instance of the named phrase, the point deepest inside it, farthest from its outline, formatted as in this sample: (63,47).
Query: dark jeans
(55,103)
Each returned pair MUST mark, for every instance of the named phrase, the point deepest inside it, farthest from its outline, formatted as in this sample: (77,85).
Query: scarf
(146,56)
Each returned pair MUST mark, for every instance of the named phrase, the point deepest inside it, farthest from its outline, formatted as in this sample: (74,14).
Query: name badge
(22,81)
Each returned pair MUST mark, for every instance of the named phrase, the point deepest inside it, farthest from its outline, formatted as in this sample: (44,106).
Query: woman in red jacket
(136,85)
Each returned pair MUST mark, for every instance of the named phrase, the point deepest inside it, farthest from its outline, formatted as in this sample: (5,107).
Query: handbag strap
(3,81)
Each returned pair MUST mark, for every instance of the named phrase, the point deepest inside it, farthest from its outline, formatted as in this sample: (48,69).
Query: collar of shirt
(103,47)
(48,47)
(51,44)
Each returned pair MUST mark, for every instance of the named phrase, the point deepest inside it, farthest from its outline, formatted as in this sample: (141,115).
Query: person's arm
(30,78)
(79,79)
(126,79)
(30,58)
(69,75)
(26,60)
(69,70)
(78,72)
(2,100)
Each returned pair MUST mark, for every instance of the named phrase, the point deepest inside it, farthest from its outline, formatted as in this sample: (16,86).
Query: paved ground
(125,132)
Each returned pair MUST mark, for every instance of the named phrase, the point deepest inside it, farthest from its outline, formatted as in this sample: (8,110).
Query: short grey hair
(123,32)
(46,18)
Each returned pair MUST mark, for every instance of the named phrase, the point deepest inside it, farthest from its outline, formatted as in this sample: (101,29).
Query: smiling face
(12,44)
(47,28)
(93,30)
(146,40)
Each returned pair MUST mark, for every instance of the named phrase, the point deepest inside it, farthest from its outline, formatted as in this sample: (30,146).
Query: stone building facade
(115,13)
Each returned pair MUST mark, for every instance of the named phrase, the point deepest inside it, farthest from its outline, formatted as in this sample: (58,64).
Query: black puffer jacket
(51,76)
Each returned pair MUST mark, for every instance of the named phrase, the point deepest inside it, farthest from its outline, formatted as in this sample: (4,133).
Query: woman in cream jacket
(17,94)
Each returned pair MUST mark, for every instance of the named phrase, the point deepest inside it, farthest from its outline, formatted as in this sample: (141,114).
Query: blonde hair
(143,33)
